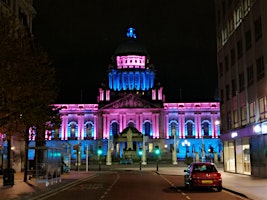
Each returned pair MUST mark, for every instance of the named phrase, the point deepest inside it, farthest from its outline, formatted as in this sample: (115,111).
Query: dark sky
(81,36)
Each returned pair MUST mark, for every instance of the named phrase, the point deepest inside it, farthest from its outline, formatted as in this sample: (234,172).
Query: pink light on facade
(131,61)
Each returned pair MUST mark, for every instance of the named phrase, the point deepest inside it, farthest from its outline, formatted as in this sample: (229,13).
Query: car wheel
(219,189)
(188,187)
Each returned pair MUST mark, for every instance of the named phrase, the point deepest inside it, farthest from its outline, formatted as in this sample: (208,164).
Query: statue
(129,136)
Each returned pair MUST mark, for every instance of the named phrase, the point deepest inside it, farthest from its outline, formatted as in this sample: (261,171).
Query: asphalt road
(132,185)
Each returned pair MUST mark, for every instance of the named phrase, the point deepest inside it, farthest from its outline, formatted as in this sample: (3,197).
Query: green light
(157,151)
(140,152)
(99,151)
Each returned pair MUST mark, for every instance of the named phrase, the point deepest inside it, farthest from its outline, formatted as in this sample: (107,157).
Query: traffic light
(157,150)
(140,152)
(99,151)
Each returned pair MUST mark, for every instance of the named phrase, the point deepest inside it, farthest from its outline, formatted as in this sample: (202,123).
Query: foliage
(27,82)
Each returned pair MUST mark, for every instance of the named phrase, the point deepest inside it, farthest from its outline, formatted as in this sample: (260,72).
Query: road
(134,184)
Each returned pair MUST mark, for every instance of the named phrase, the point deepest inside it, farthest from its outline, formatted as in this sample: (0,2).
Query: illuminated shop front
(244,150)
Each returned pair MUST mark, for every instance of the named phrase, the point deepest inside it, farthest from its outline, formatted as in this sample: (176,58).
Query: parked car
(202,175)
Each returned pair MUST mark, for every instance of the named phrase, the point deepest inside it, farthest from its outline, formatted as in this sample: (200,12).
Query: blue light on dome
(131,33)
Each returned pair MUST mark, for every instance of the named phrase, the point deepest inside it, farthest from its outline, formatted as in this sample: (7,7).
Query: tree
(27,84)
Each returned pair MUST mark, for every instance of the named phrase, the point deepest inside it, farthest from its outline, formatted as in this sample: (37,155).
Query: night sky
(81,36)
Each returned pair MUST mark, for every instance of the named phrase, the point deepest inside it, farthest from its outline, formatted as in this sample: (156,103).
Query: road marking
(110,187)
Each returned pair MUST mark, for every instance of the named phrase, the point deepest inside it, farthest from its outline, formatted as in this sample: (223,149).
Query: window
(72,129)
(241,82)
(229,120)
(89,130)
(235,117)
(243,115)
(205,128)
(221,69)
(147,128)
(246,5)
(260,68)
(131,124)
(222,96)
(239,49)
(226,63)
(234,89)
(262,106)
(252,112)
(227,92)
(189,128)
(114,131)
(258,29)
(238,15)
(248,39)
(232,56)
(250,75)
(173,128)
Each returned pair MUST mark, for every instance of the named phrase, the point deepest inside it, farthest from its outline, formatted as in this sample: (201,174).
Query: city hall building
(131,115)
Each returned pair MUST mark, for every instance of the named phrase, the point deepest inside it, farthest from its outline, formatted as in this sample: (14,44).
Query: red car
(202,175)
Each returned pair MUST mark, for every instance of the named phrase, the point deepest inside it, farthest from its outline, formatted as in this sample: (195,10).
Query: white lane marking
(178,190)
(110,187)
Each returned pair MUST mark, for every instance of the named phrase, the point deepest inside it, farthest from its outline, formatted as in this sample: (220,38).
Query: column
(104,125)
(153,125)
(80,126)
(95,127)
(157,125)
(64,127)
(108,127)
(141,123)
(181,125)
(121,122)
(166,126)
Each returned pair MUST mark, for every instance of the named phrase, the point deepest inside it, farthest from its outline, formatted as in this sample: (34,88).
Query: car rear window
(204,168)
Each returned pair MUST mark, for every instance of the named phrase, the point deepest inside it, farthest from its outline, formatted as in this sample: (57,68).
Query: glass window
(258,29)
(233,56)
(250,75)
(239,48)
(234,87)
(243,115)
(241,82)
(248,39)
(205,128)
(260,68)
(252,112)
(189,128)
(147,128)
(114,129)
(262,105)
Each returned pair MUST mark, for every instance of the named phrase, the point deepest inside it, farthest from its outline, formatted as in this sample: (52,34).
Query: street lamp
(140,153)
(157,152)
(203,150)
(99,153)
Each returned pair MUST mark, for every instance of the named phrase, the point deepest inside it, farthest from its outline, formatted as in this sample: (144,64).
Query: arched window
(89,129)
(147,128)
(114,129)
(205,128)
(173,128)
(73,129)
(189,128)
(131,124)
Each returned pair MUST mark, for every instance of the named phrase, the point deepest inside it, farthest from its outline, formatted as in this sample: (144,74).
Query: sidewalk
(249,187)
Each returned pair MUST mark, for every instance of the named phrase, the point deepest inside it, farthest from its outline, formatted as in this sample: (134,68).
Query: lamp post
(203,150)
(187,144)
(174,156)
